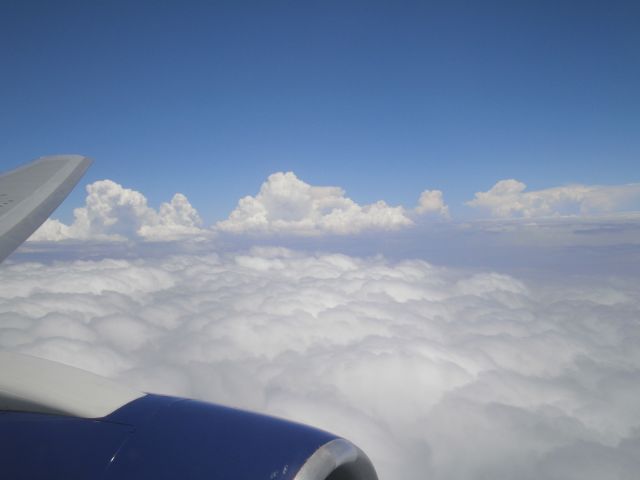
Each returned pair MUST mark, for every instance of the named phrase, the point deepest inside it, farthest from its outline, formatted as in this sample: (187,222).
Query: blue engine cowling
(160,437)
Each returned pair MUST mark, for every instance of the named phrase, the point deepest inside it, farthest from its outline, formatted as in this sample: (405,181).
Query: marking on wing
(5,200)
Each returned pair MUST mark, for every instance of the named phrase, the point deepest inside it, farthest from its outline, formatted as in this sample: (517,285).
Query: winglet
(29,194)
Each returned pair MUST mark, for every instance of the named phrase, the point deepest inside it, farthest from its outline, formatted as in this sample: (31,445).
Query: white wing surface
(29,194)
(31,384)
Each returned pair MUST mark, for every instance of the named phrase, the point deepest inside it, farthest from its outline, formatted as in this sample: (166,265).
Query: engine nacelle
(43,435)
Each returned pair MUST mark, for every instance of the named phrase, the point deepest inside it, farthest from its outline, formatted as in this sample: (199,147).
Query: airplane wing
(29,194)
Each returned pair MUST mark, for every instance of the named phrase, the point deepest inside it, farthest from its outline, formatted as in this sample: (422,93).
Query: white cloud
(436,373)
(287,205)
(508,198)
(432,201)
(112,212)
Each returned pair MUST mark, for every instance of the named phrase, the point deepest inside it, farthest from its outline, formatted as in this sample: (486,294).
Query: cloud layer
(436,373)
(508,198)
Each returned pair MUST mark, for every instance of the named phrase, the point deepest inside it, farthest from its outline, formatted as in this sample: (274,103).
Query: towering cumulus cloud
(436,373)
(112,212)
(287,205)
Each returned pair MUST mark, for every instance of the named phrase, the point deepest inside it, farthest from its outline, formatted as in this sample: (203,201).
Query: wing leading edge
(29,194)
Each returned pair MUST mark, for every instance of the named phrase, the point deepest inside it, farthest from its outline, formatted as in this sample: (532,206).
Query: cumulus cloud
(432,201)
(435,372)
(508,198)
(112,212)
(287,205)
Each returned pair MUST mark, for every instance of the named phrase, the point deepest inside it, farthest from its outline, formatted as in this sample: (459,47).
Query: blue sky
(385,99)
(496,339)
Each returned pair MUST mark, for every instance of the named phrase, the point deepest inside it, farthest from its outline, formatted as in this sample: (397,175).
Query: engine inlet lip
(338,453)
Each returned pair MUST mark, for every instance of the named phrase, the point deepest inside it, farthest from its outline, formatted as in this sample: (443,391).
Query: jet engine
(60,422)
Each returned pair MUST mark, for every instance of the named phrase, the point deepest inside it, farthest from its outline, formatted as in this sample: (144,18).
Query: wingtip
(79,162)
(36,190)
(69,157)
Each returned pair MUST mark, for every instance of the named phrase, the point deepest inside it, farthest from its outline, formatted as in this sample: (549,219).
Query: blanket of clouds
(514,353)
(436,372)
